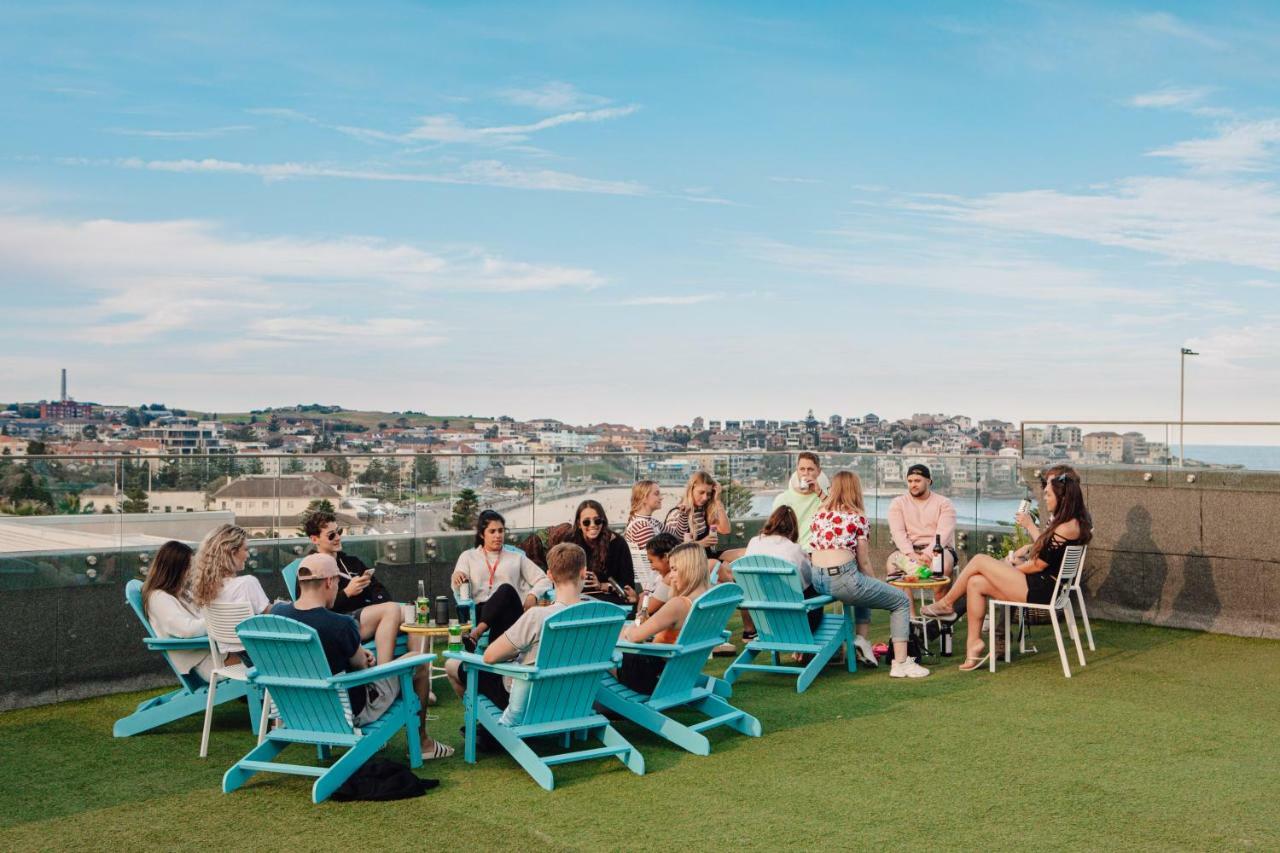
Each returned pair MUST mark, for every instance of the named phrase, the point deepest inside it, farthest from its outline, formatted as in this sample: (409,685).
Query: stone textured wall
(1203,555)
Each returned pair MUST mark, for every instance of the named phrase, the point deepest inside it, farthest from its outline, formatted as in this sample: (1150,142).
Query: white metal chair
(221,619)
(1060,601)
(1076,588)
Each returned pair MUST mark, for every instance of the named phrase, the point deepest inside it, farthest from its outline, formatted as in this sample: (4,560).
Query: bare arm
(668,617)
(947,523)
(864,557)
(536,579)
(499,650)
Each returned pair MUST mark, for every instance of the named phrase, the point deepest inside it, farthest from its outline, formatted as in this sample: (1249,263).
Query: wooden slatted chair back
(290,662)
(290,573)
(773,580)
(580,636)
(702,631)
(133,595)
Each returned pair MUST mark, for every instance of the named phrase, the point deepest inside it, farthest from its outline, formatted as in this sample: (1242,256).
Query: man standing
(917,520)
(805,492)
(318,584)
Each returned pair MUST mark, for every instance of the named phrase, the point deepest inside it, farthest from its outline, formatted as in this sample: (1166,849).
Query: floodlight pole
(1182,402)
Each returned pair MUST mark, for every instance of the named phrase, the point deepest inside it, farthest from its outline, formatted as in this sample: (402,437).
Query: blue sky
(644,212)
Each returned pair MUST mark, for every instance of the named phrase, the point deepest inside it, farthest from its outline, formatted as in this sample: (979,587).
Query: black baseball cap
(922,470)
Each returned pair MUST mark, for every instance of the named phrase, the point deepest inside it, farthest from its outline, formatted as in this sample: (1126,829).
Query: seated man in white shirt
(567,568)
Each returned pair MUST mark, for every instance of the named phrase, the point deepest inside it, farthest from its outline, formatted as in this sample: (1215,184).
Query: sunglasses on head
(1060,478)
(333,534)
(593,522)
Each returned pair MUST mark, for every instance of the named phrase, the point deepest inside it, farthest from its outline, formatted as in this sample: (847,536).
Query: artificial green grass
(1165,741)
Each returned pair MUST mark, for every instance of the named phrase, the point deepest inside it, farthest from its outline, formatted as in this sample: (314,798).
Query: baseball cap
(922,470)
(316,567)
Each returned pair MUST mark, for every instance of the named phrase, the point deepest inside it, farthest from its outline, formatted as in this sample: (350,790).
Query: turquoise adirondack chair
(290,574)
(191,696)
(576,649)
(682,683)
(314,708)
(777,604)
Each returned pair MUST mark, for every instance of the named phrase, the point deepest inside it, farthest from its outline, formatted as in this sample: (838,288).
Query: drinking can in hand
(464,590)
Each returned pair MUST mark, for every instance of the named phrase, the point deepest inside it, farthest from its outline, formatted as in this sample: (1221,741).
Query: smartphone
(368,573)
(617,588)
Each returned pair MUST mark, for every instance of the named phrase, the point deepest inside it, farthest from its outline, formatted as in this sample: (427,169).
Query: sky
(644,212)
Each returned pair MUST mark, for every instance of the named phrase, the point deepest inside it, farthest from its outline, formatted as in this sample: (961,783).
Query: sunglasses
(593,522)
(333,534)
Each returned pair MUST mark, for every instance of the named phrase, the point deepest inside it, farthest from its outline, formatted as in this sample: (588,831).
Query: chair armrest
(382,670)
(476,662)
(657,650)
(793,606)
(169,644)
(818,601)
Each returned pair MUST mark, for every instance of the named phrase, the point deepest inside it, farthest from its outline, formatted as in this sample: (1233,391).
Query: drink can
(1024,506)
(464,590)
(442,610)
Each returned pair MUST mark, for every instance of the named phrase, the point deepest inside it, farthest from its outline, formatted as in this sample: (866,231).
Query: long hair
(690,568)
(599,549)
(846,493)
(168,572)
(1065,483)
(639,494)
(782,522)
(483,520)
(214,563)
(686,505)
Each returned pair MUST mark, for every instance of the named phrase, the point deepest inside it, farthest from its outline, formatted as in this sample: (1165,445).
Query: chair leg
(1008,635)
(208,717)
(1084,615)
(1070,614)
(264,720)
(991,634)
(1062,649)
(1022,631)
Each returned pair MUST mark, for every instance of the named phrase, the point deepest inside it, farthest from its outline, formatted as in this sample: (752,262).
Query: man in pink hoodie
(917,521)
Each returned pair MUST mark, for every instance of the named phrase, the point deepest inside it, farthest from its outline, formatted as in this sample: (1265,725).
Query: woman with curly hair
(216,573)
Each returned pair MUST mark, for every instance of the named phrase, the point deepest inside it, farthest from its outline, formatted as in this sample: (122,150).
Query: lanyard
(492,569)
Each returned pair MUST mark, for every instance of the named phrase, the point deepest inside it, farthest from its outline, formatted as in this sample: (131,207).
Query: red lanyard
(492,569)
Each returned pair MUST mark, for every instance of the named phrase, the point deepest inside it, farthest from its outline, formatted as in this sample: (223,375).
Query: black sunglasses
(593,522)
(333,534)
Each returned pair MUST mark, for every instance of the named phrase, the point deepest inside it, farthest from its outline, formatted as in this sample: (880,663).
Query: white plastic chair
(221,619)
(646,577)
(1059,601)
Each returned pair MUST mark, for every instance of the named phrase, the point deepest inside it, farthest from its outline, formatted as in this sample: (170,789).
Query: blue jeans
(864,593)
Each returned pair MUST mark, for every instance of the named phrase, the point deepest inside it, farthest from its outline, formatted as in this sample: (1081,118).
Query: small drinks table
(911,584)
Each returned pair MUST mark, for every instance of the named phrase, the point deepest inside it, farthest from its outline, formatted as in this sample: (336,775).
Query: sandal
(748,636)
(971,663)
(937,610)
(441,750)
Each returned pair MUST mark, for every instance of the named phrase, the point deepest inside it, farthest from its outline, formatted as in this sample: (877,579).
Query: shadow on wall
(1135,580)
(1197,605)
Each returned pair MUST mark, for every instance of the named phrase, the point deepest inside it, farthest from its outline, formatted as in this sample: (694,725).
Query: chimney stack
(64,385)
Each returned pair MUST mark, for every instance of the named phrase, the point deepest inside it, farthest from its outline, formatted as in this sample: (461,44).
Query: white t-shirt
(526,636)
(782,548)
(176,617)
(244,588)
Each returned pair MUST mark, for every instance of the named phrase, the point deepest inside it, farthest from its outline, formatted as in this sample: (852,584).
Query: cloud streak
(182,135)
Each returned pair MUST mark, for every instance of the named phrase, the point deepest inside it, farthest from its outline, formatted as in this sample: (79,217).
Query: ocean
(1258,457)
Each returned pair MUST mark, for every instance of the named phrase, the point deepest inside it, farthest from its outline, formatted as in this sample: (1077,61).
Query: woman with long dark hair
(166,601)
(610,575)
(504,582)
(1032,580)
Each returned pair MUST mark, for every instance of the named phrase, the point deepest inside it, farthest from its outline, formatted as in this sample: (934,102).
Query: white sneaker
(907,669)
(862,648)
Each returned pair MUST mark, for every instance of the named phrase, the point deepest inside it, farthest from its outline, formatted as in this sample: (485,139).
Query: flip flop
(976,663)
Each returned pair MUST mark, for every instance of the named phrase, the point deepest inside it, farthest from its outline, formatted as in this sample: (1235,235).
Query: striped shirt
(677,524)
(641,529)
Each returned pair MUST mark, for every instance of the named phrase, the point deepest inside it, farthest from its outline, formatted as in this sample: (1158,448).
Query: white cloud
(552,97)
(1239,147)
(482,172)
(129,282)
(394,332)
(518,131)
(1171,97)
(1170,25)
(691,299)
(182,135)
(1182,219)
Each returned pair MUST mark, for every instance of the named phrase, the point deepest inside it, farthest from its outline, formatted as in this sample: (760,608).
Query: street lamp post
(1182,402)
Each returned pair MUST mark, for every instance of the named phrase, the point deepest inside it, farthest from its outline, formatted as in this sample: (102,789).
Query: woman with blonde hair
(689,578)
(646,499)
(700,516)
(838,539)
(216,573)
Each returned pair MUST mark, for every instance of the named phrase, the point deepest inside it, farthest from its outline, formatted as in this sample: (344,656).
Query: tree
(133,418)
(338,465)
(254,466)
(27,489)
(465,510)
(294,466)
(36,448)
(373,474)
(737,500)
(425,470)
(317,505)
(89,433)
(135,500)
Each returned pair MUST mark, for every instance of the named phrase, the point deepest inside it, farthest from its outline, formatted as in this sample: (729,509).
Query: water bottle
(455,636)
(944,636)
(423,605)
(642,609)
